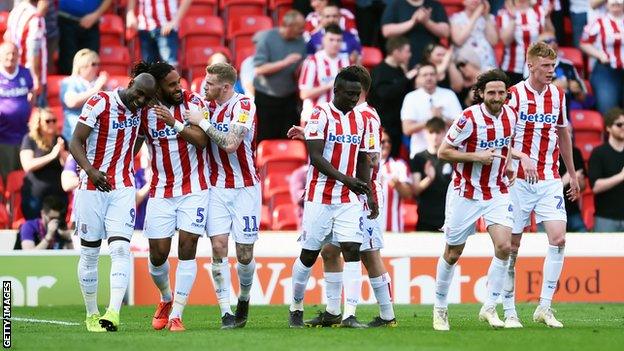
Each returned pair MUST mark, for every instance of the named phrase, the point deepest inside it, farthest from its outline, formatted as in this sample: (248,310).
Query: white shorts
(544,197)
(462,215)
(185,212)
(324,224)
(101,215)
(235,211)
(372,234)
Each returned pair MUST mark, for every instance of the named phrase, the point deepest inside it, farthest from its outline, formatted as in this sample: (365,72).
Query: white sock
(509,303)
(120,272)
(495,279)
(444,276)
(383,293)
(552,270)
(300,277)
(185,277)
(160,277)
(245,277)
(333,291)
(88,277)
(222,282)
(352,278)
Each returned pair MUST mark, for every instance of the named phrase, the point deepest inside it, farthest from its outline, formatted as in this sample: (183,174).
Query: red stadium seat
(285,217)
(274,183)
(451,2)
(201,31)
(265,218)
(588,130)
(587,206)
(241,30)
(281,150)
(115,60)
(203,8)
(280,197)
(236,8)
(242,53)
(452,9)
(371,57)
(279,8)
(280,166)
(575,56)
(197,59)
(409,215)
(12,193)
(5,220)
(117,82)
(4,16)
(112,30)
(54,89)
(196,85)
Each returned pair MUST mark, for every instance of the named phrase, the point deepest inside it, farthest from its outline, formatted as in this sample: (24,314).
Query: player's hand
(53,225)
(99,179)
(530,169)
(163,114)
(87,21)
(575,190)
(487,157)
(296,132)
(357,186)
(604,58)
(373,206)
(511,174)
(195,117)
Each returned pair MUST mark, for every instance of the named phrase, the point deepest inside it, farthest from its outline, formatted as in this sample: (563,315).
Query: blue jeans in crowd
(155,47)
(579,20)
(608,225)
(608,86)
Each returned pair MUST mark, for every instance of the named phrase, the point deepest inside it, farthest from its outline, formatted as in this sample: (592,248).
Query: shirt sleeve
(92,110)
(243,113)
(28,143)
(595,171)
(315,128)
(591,33)
(408,108)
(308,74)
(439,15)
(262,51)
(512,98)
(459,132)
(417,164)
(27,231)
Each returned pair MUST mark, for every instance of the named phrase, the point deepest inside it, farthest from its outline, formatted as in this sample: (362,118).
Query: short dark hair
(333,28)
(396,43)
(493,75)
(52,203)
(362,73)
(435,125)
(346,75)
(159,70)
(427,64)
(612,115)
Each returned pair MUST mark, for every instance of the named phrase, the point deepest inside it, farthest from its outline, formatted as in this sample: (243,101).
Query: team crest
(461,122)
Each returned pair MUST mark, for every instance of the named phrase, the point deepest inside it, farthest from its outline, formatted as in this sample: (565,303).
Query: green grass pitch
(587,327)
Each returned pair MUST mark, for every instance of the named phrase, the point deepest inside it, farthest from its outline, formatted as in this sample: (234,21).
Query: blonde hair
(224,71)
(34,127)
(540,49)
(83,58)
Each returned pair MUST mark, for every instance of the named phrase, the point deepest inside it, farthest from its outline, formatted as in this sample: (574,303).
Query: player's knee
(308,257)
(244,255)
(219,248)
(157,259)
(351,252)
(330,253)
(452,256)
(503,248)
(558,240)
(187,250)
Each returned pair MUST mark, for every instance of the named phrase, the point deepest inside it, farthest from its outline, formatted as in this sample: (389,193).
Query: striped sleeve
(315,128)
(459,131)
(308,74)
(92,109)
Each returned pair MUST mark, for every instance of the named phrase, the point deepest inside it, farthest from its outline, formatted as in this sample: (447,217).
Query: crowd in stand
(433,52)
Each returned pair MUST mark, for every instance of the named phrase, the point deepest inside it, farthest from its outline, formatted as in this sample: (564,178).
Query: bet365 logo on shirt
(496,143)
(538,117)
(344,139)
(128,123)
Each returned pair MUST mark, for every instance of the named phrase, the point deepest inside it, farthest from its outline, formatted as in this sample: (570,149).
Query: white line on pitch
(32,320)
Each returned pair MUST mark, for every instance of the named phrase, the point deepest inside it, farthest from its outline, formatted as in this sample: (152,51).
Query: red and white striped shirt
(111,142)
(235,170)
(391,219)
(529,24)
(26,29)
(372,138)
(313,22)
(178,167)
(607,34)
(152,14)
(477,130)
(539,115)
(318,70)
(344,136)
(549,5)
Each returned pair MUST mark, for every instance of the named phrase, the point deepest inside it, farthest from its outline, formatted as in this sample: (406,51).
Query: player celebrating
(479,144)
(179,189)
(340,170)
(102,145)
(235,199)
(540,133)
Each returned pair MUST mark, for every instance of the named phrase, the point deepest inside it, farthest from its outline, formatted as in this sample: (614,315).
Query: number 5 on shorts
(200,215)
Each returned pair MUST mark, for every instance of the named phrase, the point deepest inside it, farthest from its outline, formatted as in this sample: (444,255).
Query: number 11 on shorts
(251,224)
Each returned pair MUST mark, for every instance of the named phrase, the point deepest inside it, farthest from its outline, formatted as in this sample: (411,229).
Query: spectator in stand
(425,102)
(220,57)
(431,178)
(157,22)
(48,231)
(392,79)
(447,73)
(246,76)
(296,184)
(578,15)
(302,6)
(467,62)
(86,80)
(422,21)
(15,106)
(519,24)
(602,40)
(79,28)
(313,19)
(279,52)
(316,81)
(26,29)
(368,20)
(395,183)
(597,9)
(606,176)
(350,42)
(553,9)
(475,28)
(42,156)
(48,9)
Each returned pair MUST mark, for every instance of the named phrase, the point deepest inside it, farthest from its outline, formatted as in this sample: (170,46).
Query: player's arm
(77,149)
(565,146)
(363,173)
(450,153)
(227,141)
(190,134)
(315,150)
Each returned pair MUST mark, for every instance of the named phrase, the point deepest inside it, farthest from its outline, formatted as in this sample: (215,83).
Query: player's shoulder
(192,97)
(101,97)
(556,90)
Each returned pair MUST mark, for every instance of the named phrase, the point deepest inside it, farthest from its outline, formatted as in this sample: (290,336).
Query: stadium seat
(274,183)
(241,29)
(117,82)
(238,8)
(112,30)
(280,198)
(371,57)
(203,8)
(269,150)
(54,89)
(576,57)
(5,220)
(409,215)
(242,53)
(279,8)
(265,218)
(115,60)
(12,193)
(452,9)
(451,2)
(588,130)
(285,217)
(201,31)
(196,85)
(587,206)
(196,59)
(4,16)
(280,166)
